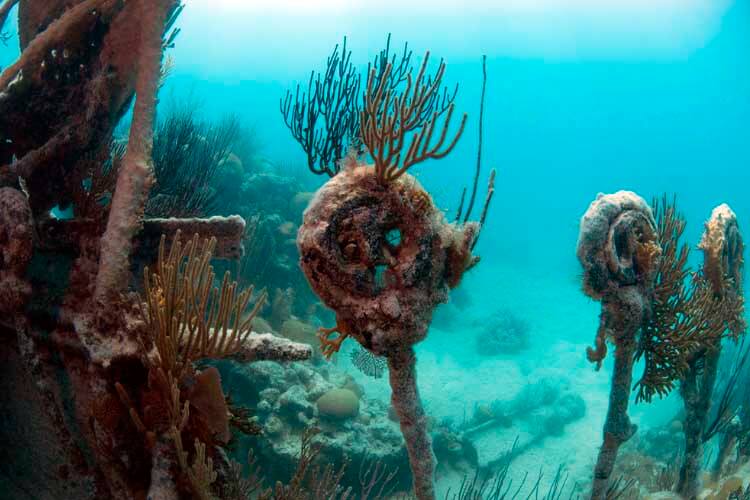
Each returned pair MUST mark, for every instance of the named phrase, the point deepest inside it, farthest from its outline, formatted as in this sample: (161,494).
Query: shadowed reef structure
(100,391)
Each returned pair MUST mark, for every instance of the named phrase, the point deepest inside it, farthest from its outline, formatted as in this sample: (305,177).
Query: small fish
(301,199)
(287,228)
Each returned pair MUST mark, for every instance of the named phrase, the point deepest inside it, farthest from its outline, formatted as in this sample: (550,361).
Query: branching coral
(388,117)
(393,78)
(187,320)
(331,102)
(187,154)
(201,473)
(681,318)
(326,120)
(673,330)
(85,345)
(188,317)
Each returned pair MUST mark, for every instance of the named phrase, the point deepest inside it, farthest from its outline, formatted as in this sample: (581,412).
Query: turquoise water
(652,97)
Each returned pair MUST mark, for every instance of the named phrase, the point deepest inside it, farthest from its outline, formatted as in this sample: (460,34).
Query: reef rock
(288,399)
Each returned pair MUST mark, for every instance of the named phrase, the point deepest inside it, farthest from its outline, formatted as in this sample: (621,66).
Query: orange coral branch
(386,120)
(597,353)
(329,346)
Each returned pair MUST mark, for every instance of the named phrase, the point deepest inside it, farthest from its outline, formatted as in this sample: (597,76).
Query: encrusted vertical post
(722,248)
(405,399)
(135,178)
(618,252)
(623,329)
(696,390)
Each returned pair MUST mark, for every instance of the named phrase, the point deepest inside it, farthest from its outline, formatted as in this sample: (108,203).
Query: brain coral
(338,404)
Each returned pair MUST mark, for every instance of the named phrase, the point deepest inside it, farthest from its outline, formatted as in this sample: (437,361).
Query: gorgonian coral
(368,363)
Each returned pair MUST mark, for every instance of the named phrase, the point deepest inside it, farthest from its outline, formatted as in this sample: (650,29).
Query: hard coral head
(381,256)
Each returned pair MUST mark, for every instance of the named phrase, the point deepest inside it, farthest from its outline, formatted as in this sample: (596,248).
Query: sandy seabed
(453,377)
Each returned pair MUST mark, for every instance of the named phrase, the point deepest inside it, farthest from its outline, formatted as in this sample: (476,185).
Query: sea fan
(368,363)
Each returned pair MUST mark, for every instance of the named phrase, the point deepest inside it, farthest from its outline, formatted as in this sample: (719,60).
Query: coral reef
(287,398)
(648,475)
(113,386)
(662,443)
(310,480)
(502,333)
(272,203)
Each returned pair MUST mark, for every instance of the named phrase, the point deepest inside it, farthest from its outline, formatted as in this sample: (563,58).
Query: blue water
(579,104)
(581,99)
